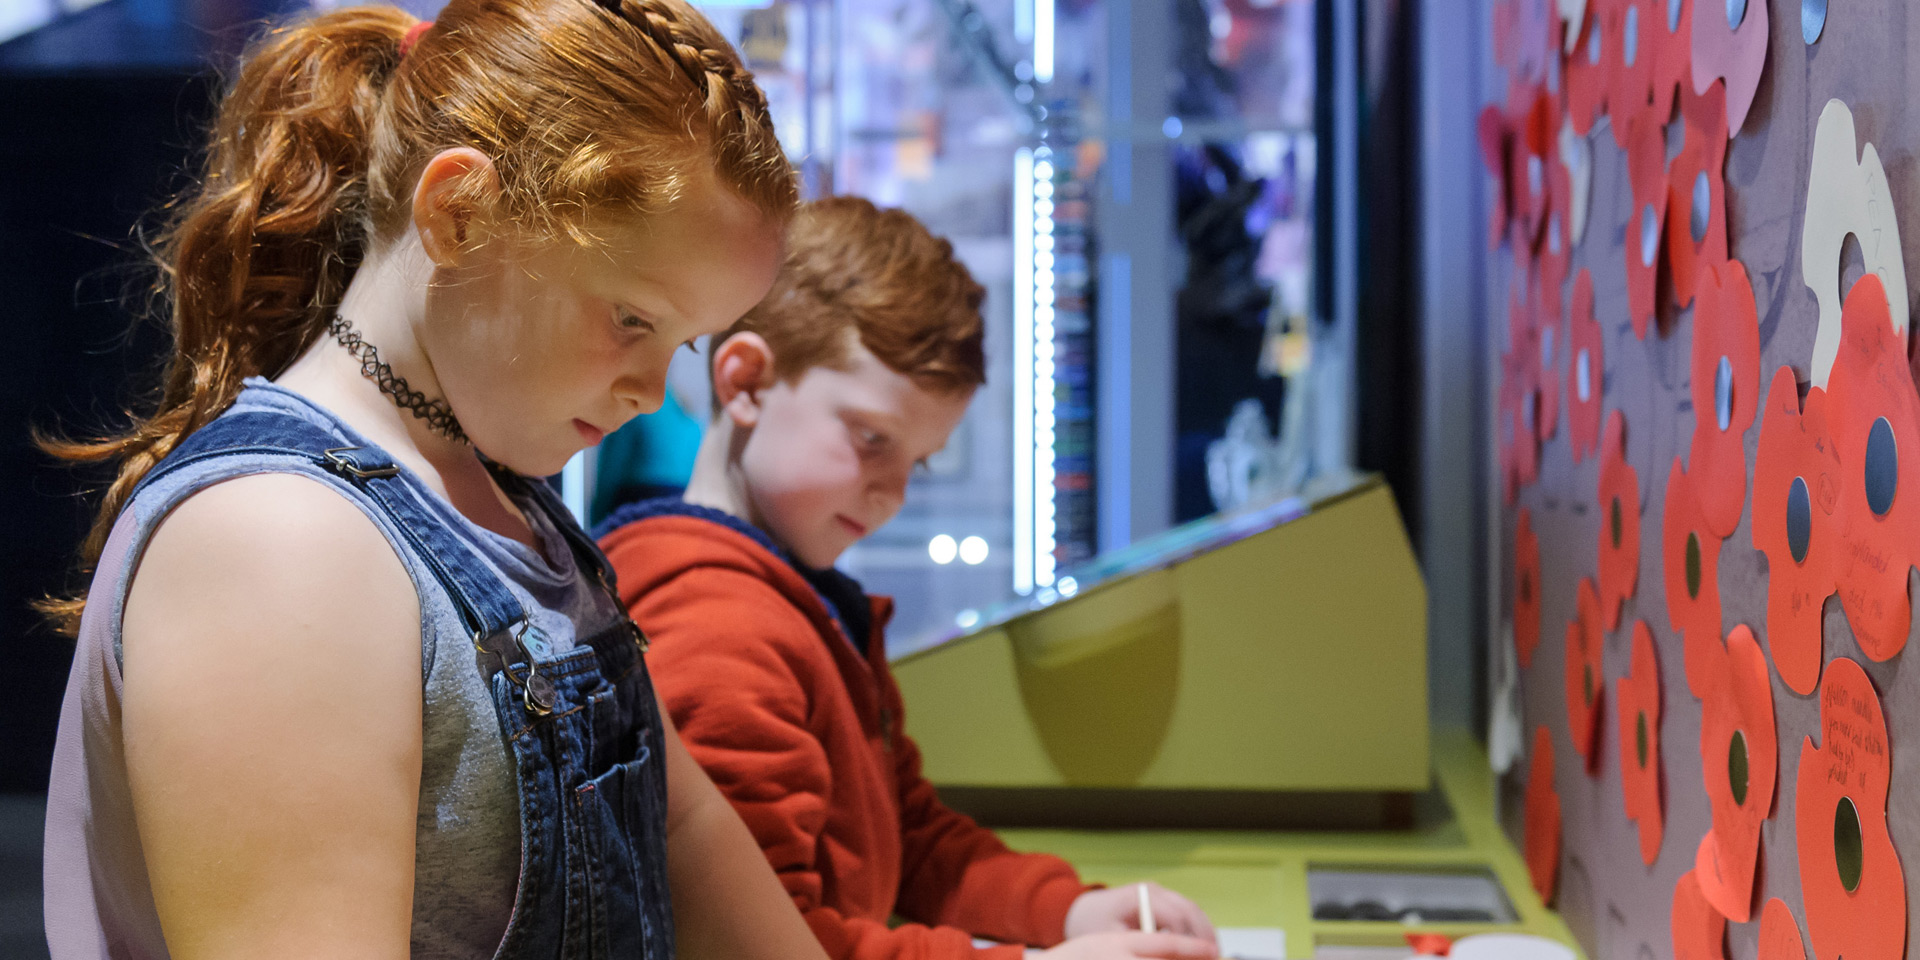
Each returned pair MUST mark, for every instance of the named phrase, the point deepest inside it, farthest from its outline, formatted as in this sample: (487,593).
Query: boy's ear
(455,187)
(742,367)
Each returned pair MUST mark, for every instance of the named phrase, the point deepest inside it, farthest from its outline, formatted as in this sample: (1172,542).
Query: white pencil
(1146,912)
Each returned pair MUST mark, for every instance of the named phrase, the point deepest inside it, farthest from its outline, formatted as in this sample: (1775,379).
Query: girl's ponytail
(254,257)
(586,108)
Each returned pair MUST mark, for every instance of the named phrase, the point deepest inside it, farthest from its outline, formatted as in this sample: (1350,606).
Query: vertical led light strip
(1043,41)
(1023,371)
(1043,369)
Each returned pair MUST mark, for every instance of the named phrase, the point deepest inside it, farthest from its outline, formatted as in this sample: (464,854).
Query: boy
(857,365)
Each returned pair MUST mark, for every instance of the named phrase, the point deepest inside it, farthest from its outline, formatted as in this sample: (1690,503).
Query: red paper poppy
(1690,557)
(1493,136)
(1556,241)
(1673,71)
(1856,894)
(1726,392)
(1526,33)
(1519,445)
(1647,174)
(1874,414)
(1637,34)
(1619,502)
(1637,702)
(1779,933)
(1532,116)
(1588,76)
(1699,931)
(1796,494)
(1519,403)
(1697,191)
(1542,818)
(1586,372)
(1526,589)
(1506,33)
(1586,685)
(1734,51)
(1548,342)
(1739,759)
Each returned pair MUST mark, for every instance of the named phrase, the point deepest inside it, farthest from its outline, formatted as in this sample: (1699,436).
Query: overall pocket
(625,890)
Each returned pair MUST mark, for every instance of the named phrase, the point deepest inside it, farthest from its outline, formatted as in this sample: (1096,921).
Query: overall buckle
(337,456)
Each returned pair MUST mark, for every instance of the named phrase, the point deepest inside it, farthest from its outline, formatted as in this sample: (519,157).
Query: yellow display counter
(1236,709)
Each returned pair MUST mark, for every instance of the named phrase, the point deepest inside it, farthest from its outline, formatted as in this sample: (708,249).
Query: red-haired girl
(348,684)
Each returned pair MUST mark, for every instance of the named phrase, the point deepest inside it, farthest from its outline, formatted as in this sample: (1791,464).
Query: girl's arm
(271,715)
(727,904)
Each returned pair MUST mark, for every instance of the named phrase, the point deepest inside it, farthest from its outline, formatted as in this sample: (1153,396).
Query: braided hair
(589,109)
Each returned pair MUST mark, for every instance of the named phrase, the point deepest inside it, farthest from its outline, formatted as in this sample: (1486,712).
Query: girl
(347,684)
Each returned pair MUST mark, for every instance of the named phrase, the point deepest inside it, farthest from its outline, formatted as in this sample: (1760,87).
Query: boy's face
(829,457)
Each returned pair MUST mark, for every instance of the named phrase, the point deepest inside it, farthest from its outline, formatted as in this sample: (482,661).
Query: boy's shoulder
(672,552)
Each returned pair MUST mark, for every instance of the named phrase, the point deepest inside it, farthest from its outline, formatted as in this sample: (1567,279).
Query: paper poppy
(1730,41)
(1526,37)
(1586,369)
(1637,34)
(1532,115)
(1493,134)
(1847,195)
(1519,406)
(1796,495)
(1690,556)
(1637,702)
(1699,931)
(1586,685)
(1519,443)
(1673,70)
(1739,760)
(1588,74)
(1874,415)
(1779,933)
(1548,342)
(1697,191)
(1726,393)
(1526,588)
(1850,876)
(1555,257)
(1542,818)
(1647,174)
(1619,501)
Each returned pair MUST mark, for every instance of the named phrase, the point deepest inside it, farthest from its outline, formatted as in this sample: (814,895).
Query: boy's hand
(1129,945)
(1118,909)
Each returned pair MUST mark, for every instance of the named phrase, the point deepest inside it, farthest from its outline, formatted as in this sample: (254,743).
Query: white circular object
(973,551)
(1509,946)
(942,549)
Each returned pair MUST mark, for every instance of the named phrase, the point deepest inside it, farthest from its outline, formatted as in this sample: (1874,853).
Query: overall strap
(487,609)
(586,552)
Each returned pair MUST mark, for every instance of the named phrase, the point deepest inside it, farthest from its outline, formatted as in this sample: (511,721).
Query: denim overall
(582,725)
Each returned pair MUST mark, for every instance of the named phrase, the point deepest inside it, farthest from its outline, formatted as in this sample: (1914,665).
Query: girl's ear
(742,368)
(455,188)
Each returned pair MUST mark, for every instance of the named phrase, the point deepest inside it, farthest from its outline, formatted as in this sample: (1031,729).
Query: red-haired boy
(858,364)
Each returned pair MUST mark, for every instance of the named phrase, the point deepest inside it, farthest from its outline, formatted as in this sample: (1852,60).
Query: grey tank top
(467,850)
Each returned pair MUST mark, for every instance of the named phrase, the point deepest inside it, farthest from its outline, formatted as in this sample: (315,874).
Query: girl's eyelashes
(690,347)
(629,320)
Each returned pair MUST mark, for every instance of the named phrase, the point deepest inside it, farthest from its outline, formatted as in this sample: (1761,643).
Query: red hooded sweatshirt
(803,733)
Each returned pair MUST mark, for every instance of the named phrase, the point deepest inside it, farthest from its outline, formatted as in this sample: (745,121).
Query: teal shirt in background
(652,456)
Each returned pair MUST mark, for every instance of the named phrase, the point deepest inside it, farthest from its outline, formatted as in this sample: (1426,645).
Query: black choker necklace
(436,412)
